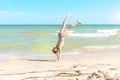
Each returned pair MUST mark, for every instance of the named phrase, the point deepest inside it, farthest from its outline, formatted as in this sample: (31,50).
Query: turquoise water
(40,39)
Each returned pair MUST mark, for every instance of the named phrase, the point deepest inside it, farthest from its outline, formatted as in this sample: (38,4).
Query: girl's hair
(55,50)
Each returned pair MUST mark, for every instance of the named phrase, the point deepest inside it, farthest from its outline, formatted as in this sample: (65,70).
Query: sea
(35,42)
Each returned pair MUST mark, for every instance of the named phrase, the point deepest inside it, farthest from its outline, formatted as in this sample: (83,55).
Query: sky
(54,11)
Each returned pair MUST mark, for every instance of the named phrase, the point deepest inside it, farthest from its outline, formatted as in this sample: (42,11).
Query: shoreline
(71,54)
(65,69)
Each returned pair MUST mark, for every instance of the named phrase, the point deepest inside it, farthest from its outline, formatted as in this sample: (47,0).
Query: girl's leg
(73,25)
(64,23)
(70,27)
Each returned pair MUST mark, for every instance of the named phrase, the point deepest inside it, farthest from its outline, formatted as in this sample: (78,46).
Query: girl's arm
(58,55)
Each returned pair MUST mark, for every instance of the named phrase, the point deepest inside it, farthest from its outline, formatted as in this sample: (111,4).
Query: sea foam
(102,47)
(98,33)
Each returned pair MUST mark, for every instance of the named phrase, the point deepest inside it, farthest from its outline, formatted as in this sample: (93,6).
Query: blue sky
(54,11)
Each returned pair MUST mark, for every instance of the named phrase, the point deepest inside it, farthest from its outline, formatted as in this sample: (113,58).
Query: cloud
(10,13)
(18,12)
(117,15)
(2,13)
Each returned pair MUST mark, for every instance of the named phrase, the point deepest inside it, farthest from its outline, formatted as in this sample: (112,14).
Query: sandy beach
(96,68)
(83,34)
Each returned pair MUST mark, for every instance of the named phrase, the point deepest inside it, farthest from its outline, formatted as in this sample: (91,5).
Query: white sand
(71,69)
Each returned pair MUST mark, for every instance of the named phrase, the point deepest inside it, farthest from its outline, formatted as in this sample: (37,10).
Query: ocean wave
(71,31)
(102,47)
(99,33)
(107,30)
(92,35)
(3,57)
(56,32)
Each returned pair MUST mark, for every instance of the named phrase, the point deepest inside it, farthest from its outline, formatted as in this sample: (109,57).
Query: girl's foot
(79,22)
(67,16)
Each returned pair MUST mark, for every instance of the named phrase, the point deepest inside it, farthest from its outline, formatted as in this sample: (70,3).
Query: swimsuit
(60,36)
(60,41)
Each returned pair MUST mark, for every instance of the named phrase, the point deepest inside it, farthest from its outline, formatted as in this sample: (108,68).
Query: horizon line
(58,24)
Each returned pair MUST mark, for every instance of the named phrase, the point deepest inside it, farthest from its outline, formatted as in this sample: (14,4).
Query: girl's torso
(60,40)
